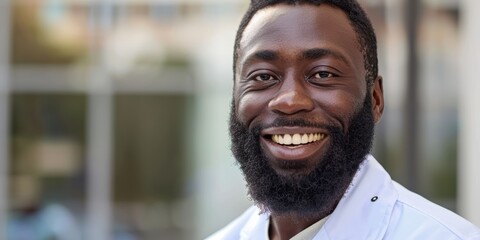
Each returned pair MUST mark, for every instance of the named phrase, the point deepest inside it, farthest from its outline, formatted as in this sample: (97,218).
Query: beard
(314,193)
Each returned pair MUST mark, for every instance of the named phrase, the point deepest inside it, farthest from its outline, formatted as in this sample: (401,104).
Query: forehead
(300,27)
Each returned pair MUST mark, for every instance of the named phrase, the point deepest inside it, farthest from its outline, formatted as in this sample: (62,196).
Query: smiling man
(306,97)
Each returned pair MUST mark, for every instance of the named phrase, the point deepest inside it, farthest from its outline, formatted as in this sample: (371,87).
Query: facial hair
(312,194)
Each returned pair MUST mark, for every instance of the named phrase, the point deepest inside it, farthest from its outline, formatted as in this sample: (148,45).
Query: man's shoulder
(398,213)
(234,229)
(420,216)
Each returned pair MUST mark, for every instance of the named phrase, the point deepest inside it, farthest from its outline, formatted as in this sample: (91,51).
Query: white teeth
(287,139)
(297,138)
(304,138)
(280,139)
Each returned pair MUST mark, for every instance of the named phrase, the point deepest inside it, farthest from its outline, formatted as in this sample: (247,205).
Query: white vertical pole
(395,45)
(469,113)
(4,113)
(99,145)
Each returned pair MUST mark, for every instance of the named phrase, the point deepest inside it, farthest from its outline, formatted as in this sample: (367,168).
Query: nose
(292,98)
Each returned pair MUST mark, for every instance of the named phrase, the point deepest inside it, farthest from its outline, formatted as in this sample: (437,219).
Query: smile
(297,138)
(294,143)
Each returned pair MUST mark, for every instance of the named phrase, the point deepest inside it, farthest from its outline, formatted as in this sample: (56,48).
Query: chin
(297,168)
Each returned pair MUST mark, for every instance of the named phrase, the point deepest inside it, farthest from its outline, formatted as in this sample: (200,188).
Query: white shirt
(310,232)
(373,207)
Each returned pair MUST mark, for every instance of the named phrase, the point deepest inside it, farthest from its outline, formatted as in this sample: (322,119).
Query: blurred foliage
(34,43)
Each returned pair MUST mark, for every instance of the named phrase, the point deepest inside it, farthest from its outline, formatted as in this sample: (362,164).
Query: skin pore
(300,73)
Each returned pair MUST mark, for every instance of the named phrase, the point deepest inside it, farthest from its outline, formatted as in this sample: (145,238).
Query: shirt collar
(364,211)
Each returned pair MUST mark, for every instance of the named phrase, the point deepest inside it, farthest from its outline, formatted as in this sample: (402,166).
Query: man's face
(300,102)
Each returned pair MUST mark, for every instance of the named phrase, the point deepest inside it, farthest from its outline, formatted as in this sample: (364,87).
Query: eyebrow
(265,55)
(312,54)
(317,53)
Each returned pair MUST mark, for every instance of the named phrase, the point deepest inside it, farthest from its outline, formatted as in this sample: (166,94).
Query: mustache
(331,128)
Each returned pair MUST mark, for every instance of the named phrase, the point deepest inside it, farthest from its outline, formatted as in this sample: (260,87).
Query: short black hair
(356,15)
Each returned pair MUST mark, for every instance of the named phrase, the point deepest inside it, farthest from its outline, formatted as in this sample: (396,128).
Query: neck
(285,226)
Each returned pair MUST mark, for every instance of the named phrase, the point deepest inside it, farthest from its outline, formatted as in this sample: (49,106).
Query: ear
(377,99)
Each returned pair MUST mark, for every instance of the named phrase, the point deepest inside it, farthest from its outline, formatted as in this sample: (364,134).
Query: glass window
(47,184)
(151,166)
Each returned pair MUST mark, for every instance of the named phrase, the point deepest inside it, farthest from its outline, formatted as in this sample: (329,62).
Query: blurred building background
(113,114)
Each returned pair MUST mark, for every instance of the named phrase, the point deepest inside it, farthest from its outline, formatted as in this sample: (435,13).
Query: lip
(292,153)
(292,130)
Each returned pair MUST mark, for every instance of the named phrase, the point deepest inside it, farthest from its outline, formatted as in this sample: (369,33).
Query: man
(306,97)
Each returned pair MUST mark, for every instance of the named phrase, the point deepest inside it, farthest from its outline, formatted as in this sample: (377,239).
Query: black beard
(312,194)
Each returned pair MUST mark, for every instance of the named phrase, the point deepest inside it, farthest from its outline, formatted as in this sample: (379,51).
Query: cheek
(247,108)
(340,105)
(339,101)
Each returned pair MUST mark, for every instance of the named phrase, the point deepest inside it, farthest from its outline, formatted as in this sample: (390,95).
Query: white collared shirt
(373,207)
(310,232)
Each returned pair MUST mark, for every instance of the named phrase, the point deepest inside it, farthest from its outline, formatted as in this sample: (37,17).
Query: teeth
(304,139)
(280,139)
(297,138)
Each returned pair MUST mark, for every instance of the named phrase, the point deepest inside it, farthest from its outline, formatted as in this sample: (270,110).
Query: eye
(323,74)
(264,77)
